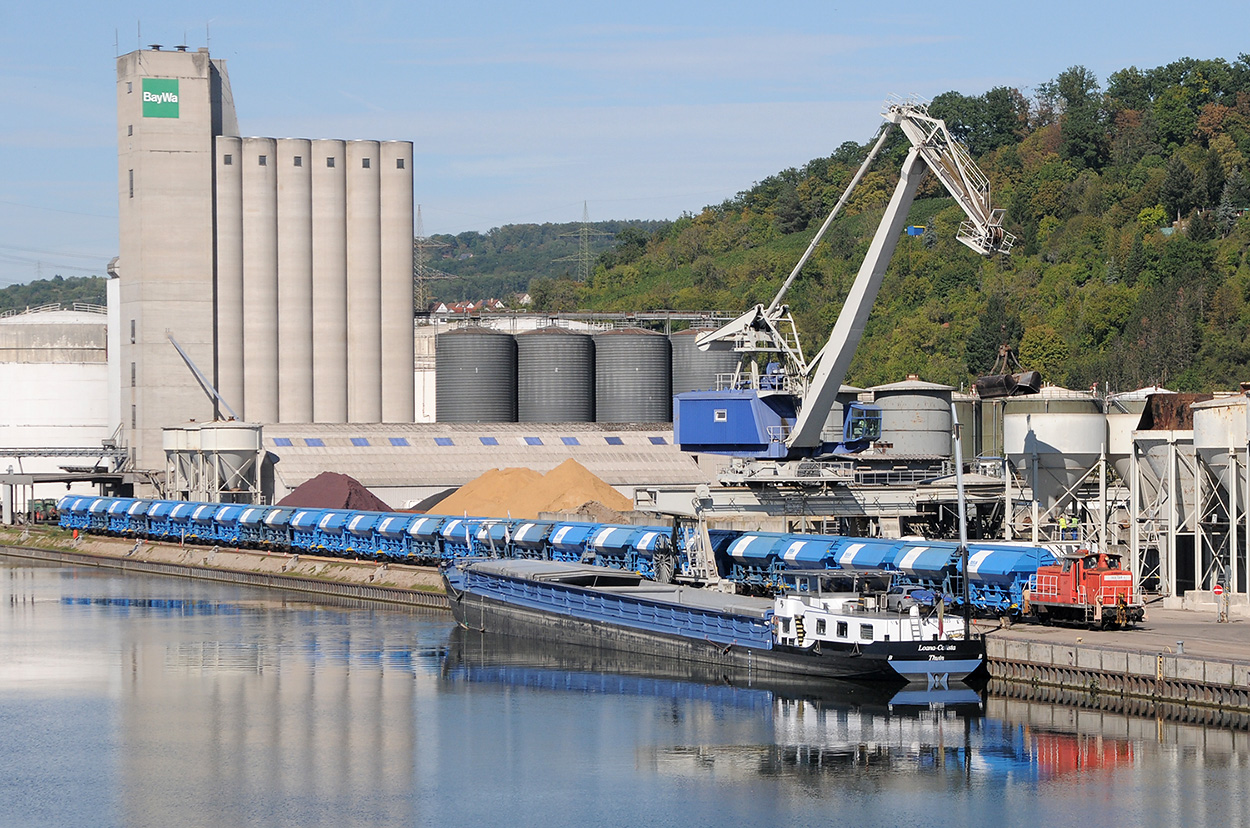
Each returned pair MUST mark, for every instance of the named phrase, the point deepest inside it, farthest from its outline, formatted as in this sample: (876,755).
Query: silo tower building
(282,267)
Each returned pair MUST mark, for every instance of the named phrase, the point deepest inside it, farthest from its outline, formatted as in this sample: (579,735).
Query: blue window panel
(489,441)
(533,441)
(658,441)
(614,441)
(399,441)
(314,442)
(443,441)
(360,441)
(282,441)
(570,441)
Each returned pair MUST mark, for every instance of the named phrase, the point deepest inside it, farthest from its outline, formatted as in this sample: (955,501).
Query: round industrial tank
(1065,430)
(230,451)
(1220,429)
(475,376)
(695,370)
(633,383)
(555,376)
(55,387)
(915,416)
(832,432)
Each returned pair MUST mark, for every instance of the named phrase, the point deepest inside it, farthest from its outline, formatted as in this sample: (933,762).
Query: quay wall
(1021,667)
(362,580)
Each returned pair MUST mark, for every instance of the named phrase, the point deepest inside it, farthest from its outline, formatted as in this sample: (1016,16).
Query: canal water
(147,701)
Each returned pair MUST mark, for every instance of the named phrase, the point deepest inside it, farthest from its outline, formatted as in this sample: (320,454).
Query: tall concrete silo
(295,281)
(364,283)
(695,370)
(230,300)
(395,190)
(633,383)
(475,376)
(555,376)
(1054,438)
(915,417)
(260,280)
(329,218)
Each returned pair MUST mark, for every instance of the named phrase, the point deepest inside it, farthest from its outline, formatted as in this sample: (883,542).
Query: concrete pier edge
(1020,667)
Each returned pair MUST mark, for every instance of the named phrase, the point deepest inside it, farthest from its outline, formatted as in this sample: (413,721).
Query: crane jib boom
(934,149)
(782,413)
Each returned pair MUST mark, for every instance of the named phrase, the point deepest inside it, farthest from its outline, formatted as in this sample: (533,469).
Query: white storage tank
(1064,430)
(1220,427)
(54,377)
(1123,415)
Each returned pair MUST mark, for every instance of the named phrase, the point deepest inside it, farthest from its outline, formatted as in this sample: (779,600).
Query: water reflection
(131,700)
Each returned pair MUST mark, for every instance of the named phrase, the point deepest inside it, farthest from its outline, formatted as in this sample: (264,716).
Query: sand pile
(523,493)
(330,490)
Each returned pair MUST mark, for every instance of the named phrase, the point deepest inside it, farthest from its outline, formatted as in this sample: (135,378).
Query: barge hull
(492,616)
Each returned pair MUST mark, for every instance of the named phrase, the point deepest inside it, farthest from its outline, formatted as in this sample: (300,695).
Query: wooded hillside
(1128,201)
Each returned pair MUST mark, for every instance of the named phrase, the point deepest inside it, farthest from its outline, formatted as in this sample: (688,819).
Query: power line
(421,270)
(582,256)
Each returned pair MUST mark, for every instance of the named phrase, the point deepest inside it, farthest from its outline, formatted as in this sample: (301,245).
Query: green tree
(1177,191)
(1042,349)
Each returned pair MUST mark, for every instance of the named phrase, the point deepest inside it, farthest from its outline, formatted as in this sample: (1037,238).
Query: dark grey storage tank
(475,376)
(632,377)
(555,376)
(695,370)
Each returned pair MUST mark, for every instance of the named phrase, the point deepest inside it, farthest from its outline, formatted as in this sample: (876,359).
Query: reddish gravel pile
(330,490)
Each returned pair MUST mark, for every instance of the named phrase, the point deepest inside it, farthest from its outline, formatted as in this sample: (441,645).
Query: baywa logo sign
(160,97)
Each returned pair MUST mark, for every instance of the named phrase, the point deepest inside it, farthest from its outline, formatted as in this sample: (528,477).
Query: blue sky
(520,112)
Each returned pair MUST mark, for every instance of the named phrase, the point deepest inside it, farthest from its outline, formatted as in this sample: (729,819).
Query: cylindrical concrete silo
(295,289)
(915,417)
(260,280)
(475,376)
(1053,439)
(398,380)
(695,370)
(555,376)
(230,301)
(364,283)
(633,383)
(329,220)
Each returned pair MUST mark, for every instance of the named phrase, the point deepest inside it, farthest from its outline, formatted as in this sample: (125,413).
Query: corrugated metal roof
(452,454)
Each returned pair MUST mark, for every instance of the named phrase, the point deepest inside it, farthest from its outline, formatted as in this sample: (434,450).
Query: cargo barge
(830,636)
